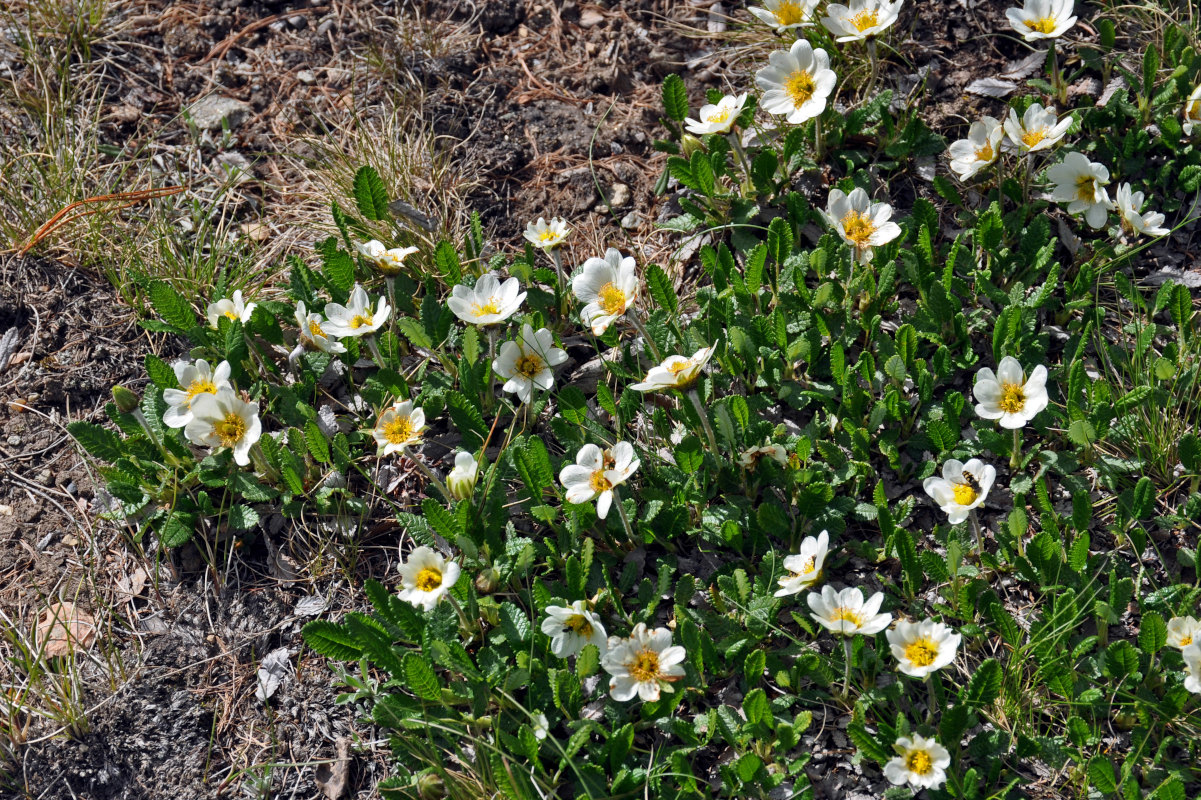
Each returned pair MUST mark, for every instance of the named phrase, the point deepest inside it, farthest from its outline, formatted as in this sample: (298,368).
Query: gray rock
(208,112)
(619,195)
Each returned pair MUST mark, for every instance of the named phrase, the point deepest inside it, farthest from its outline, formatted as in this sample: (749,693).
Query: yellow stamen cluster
(483,309)
(789,13)
(230,429)
(858,227)
(984,153)
(599,482)
(428,579)
(848,614)
(919,762)
(644,668)
(201,386)
(361,321)
(316,330)
(1086,188)
(800,87)
(921,653)
(865,19)
(1013,399)
(1042,24)
(528,365)
(965,495)
(1031,138)
(578,623)
(399,430)
(612,299)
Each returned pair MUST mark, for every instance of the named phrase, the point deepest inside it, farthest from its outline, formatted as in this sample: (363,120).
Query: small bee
(971,481)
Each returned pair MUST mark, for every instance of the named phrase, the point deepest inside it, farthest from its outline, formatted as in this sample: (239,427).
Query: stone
(619,195)
(590,18)
(208,112)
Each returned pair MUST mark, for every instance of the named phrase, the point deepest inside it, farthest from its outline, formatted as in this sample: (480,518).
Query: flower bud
(461,480)
(689,144)
(430,787)
(126,400)
(487,581)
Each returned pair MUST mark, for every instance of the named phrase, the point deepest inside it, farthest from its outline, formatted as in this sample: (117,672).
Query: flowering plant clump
(946,394)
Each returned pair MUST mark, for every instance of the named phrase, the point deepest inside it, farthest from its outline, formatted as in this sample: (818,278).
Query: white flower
(1081,184)
(236,309)
(846,613)
(572,628)
(862,224)
(608,286)
(978,150)
(596,473)
(1129,204)
(540,725)
(425,577)
(920,762)
(644,664)
(547,235)
(717,118)
(312,334)
(488,302)
(1192,667)
(225,420)
(1183,631)
(1009,396)
(922,647)
(398,427)
(196,379)
(461,480)
(527,364)
(1042,19)
(389,262)
(783,15)
(355,319)
(1192,112)
(749,459)
(961,488)
(861,19)
(796,82)
(1037,129)
(805,568)
(676,372)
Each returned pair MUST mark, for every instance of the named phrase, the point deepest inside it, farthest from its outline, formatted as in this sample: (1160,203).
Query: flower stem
(625,520)
(1015,457)
(846,673)
(1061,90)
(819,146)
(933,702)
(704,415)
(646,337)
(373,346)
(560,284)
(871,83)
(979,532)
(429,474)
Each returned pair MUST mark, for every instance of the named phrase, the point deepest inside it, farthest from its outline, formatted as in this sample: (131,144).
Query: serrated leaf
(1153,633)
(420,678)
(675,97)
(171,307)
(370,194)
(99,442)
(177,530)
(160,372)
(242,517)
(336,264)
(867,743)
(331,640)
(985,685)
(661,289)
(779,240)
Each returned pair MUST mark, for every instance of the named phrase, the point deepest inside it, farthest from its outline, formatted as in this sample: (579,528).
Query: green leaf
(336,264)
(985,685)
(675,97)
(867,743)
(1189,450)
(242,518)
(1144,498)
(1121,659)
(99,442)
(447,260)
(1153,633)
(756,706)
(331,640)
(160,372)
(779,240)
(1100,774)
(1082,433)
(171,307)
(688,454)
(1150,67)
(370,194)
(177,530)
(317,443)
(420,678)
(663,293)
(467,419)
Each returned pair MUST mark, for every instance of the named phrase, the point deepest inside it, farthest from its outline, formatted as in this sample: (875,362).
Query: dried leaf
(991,87)
(1024,68)
(63,628)
(1113,87)
(331,778)
(273,670)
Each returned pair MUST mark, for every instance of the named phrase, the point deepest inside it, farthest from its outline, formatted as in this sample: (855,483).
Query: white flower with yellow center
(796,82)
(194,379)
(1192,667)
(1183,631)
(1134,220)
(717,118)
(978,150)
(607,286)
(355,319)
(805,568)
(461,480)
(528,363)
(572,628)
(862,224)
(920,762)
(398,427)
(676,372)
(547,235)
(749,459)
(643,665)
(961,488)
(922,648)
(425,578)
(235,309)
(860,20)
(388,261)
(1081,184)
(488,302)
(1008,396)
(1192,112)
(1038,129)
(846,613)
(225,420)
(784,15)
(596,473)
(312,332)
(1042,19)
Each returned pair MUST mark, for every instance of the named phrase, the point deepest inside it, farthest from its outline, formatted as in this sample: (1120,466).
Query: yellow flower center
(231,315)
(1186,640)
(800,87)
(1086,188)
(858,227)
(851,615)
(1042,24)
(361,321)
(985,153)
(919,762)
(599,482)
(484,309)
(230,430)
(399,430)
(1013,399)
(644,667)
(1195,110)
(528,366)
(1031,138)
(719,116)
(789,13)
(679,366)
(200,386)
(578,623)
(965,495)
(864,19)
(428,579)
(390,264)
(806,568)
(612,299)
(921,653)
(316,330)
(548,235)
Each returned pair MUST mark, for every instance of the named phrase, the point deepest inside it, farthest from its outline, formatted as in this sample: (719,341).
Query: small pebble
(14,440)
